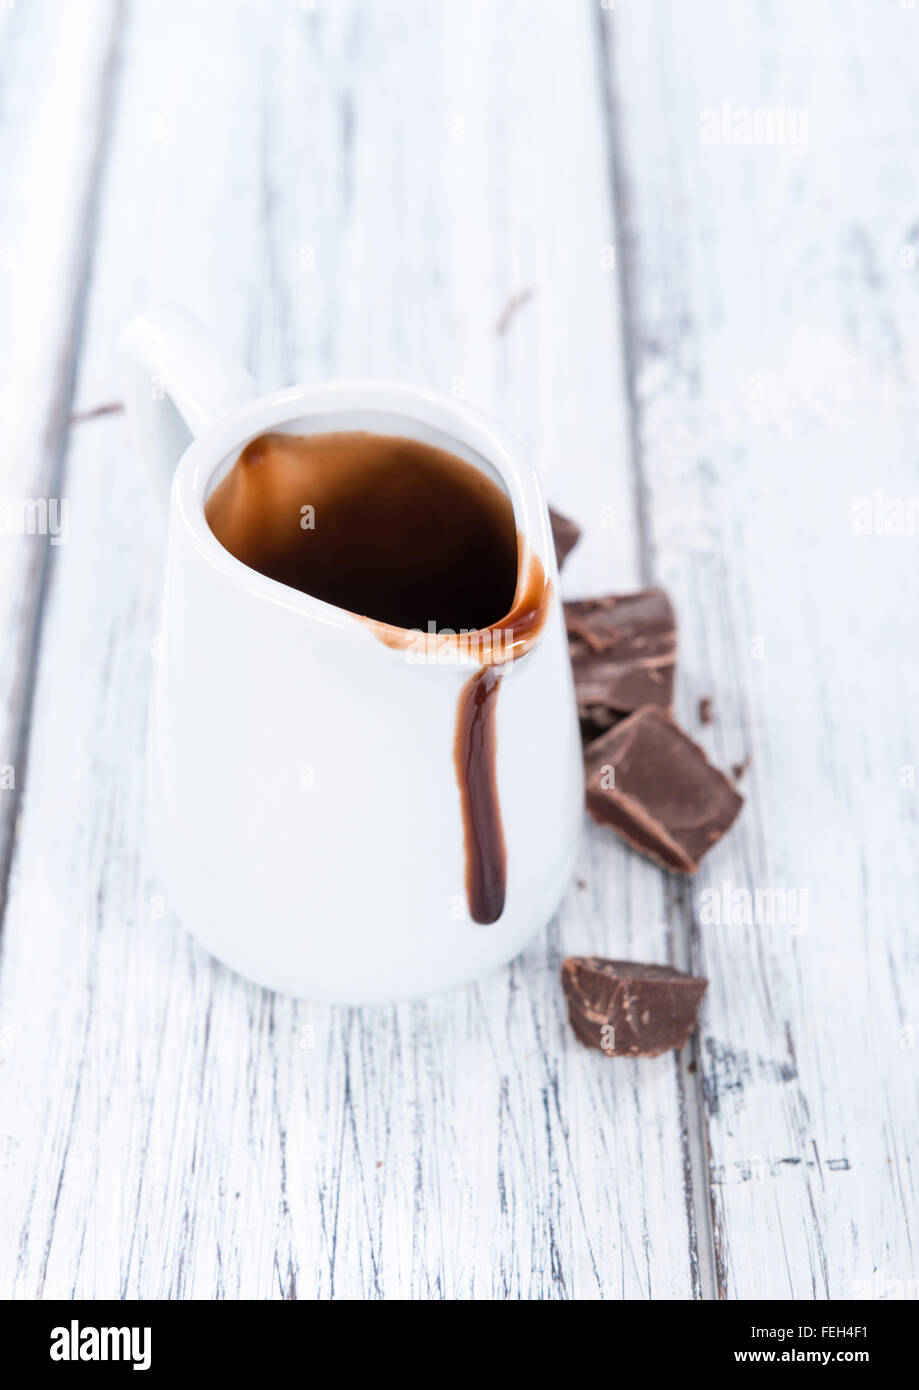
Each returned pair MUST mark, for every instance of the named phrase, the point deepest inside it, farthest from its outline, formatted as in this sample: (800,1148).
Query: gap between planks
(54,442)
(681,927)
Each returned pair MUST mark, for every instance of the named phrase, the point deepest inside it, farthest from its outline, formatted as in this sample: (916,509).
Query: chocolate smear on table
(629,1010)
(648,781)
(565,533)
(623,655)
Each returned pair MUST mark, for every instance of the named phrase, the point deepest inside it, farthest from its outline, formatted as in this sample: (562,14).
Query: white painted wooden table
(716,360)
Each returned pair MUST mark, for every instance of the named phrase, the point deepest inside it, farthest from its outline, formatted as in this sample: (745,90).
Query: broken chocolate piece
(706,705)
(595,720)
(649,782)
(738,769)
(623,654)
(565,534)
(630,1010)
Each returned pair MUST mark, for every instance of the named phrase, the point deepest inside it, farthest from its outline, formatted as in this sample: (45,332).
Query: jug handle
(178,383)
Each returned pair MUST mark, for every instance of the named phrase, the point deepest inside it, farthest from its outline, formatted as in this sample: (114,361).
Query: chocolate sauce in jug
(411,538)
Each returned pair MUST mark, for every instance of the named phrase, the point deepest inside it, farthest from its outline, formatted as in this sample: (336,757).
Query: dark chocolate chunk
(630,1010)
(649,782)
(595,720)
(623,654)
(706,704)
(738,769)
(565,534)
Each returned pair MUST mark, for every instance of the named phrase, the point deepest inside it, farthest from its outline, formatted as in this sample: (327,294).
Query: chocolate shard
(630,1010)
(706,708)
(595,720)
(623,655)
(565,534)
(649,782)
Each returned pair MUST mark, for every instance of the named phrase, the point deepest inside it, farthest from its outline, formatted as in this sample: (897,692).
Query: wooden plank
(343,190)
(55,74)
(772,298)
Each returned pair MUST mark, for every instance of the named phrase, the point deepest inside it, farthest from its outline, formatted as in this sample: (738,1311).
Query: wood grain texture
(710,351)
(55,86)
(345,190)
(772,304)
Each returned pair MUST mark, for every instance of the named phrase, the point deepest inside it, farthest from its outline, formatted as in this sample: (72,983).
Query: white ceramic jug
(306,790)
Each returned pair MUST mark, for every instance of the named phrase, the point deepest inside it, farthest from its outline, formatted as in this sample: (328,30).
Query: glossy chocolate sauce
(475,745)
(414,540)
(475,755)
(388,528)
